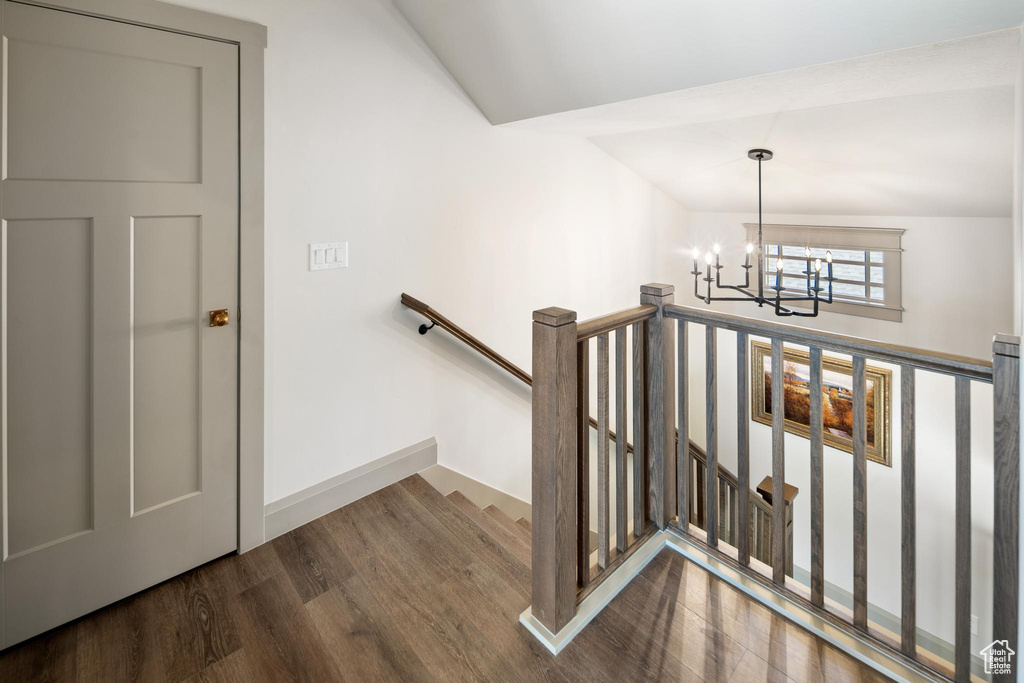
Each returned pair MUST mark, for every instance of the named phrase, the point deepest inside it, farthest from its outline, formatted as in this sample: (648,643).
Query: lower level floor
(410,585)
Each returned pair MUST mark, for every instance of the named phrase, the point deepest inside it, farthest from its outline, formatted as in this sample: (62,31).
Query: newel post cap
(554,316)
(657,289)
(1006,345)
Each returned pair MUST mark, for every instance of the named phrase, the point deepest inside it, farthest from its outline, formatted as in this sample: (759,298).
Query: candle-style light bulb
(750,247)
(708,258)
(778,264)
(817,264)
(696,253)
(828,256)
(807,252)
(717,248)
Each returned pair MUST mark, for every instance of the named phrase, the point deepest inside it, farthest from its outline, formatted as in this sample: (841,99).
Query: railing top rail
(950,364)
(446,324)
(613,321)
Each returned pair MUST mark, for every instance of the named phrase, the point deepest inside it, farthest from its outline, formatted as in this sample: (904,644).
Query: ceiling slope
(529,58)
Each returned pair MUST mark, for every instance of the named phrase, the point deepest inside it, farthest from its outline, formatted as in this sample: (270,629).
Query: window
(866,265)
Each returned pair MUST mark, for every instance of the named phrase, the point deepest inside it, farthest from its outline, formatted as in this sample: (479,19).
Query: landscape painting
(836,398)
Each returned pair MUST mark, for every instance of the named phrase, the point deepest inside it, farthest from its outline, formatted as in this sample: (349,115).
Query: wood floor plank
(362,638)
(234,574)
(235,668)
(753,669)
(705,650)
(49,658)
(194,622)
(279,634)
(525,523)
(120,643)
(311,560)
(624,653)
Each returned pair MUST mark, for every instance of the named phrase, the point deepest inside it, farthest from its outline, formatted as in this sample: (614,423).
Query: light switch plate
(328,255)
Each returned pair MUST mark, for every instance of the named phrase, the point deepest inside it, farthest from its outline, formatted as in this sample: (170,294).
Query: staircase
(513,536)
(668,626)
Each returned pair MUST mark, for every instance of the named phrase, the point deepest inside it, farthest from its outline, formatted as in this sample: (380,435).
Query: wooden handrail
(945,363)
(597,324)
(467,339)
(613,321)
(584,330)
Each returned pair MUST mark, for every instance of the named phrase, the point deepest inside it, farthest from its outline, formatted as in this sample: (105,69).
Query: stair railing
(626,532)
(562,573)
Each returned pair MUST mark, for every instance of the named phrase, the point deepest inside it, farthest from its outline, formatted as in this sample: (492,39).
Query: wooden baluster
(1006,496)
(817,482)
(741,538)
(778,526)
(603,453)
(661,406)
(639,431)
(755,550)
(908,639)
(711,427)
(789,538)
(683,441)
(621,531)
(733,515)
(583,462)
(962,609)
(860,495)
(723,509)
(553,585)
(701,494)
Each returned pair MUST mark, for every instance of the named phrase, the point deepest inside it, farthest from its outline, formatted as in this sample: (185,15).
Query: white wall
(370,141)
(944,314)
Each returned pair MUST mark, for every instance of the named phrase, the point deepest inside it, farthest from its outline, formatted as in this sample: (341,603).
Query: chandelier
(811,287)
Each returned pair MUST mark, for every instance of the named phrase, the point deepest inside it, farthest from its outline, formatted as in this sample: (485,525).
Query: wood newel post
(554,467)
(661,406)
(1006,497)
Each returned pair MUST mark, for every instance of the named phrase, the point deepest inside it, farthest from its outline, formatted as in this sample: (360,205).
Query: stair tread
(465,527)
(494,528)
(525,523)
(508,523)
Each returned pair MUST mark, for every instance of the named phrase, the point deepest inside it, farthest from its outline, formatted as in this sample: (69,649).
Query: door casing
(251,40)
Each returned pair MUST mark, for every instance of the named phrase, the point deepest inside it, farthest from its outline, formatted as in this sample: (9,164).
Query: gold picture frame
(834,372)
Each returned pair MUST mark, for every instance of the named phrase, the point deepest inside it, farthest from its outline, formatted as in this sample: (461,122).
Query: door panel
(49,331)
(166,452)
(141,100)
(118,420)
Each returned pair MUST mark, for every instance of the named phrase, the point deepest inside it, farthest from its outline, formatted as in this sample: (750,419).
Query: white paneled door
(119,237)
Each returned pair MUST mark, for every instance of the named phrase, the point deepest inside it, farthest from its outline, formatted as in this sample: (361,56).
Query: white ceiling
(933,154)
(923,129)
(526,58)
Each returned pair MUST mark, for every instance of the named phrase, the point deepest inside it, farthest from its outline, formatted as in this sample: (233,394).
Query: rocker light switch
(328,255)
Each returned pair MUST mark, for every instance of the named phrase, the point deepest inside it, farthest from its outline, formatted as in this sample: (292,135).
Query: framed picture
(837,399)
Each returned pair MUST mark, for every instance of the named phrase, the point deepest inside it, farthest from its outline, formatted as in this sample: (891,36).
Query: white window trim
(836,237)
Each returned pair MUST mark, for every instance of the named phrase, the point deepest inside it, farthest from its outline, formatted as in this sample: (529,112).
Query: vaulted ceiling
(872,107)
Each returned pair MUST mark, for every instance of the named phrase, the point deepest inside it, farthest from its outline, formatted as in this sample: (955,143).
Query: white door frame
(252,41)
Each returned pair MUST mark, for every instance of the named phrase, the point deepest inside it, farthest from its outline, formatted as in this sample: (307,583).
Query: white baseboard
(304,506)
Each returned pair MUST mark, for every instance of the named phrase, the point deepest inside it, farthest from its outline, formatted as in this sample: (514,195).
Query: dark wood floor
(406,585)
